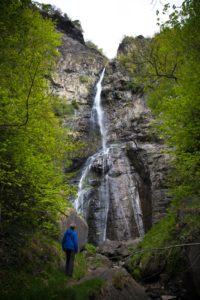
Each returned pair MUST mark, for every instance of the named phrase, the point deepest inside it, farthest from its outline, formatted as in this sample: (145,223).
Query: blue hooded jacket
(70,240)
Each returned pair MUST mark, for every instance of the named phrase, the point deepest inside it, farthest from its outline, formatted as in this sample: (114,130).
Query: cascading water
(98,112)
(96,119)
(108,196)
(82,188)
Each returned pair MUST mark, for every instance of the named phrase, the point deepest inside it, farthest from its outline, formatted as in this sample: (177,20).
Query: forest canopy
(34,147)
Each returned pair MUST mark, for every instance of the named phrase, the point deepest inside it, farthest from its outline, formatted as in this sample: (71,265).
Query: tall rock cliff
(77,72)
(128,124)
(125,185)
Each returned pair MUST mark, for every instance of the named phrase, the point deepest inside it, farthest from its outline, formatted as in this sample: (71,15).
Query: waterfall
(82,188)
(107,191)
(97,118)
(97,112)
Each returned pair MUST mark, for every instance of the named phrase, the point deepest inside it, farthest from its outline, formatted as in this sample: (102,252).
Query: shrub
(62,109)
(91,45)
(120,280)
(83,78)
(90,248)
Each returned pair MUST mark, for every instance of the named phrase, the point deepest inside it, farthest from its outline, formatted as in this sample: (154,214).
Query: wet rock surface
(125,188)
(111,198)
(128,122)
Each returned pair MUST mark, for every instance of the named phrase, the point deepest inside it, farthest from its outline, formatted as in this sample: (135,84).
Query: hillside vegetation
(34,147)
(35,151)
(168,65)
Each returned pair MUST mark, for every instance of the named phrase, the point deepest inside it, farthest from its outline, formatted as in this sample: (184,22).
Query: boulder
(192,274)
(81,226)
(119,285)
(96,261)
(116,250)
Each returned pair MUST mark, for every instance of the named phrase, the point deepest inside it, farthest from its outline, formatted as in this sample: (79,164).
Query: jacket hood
(70,231)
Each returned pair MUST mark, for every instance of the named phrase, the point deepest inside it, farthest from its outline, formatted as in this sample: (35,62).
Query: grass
(149,254)
(40,275)
(80,267)
(91,249)
(83,78)
(180,226)
(56,287)
(49,283)
(97,263)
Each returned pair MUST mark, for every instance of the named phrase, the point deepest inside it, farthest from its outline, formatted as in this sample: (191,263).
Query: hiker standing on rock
(70,246)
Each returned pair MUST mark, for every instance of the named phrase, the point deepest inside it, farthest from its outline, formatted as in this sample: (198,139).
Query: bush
(90,248)
(75,104)
(83,78)
(150,256)
(62,109)
(91,45)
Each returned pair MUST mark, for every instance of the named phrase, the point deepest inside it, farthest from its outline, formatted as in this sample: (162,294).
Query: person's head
(72,225)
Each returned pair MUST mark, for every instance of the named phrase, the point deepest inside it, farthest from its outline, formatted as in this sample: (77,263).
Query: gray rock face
(153,166)
(114,198)
(128,43)
(128,123)
(125,190)
(77,71)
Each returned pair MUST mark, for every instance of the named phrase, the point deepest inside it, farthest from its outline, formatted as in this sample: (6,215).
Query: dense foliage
(169,67)
(34,147)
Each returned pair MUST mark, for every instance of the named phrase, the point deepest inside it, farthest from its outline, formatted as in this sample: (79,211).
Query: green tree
(34,148)
(170,73)
(169,67)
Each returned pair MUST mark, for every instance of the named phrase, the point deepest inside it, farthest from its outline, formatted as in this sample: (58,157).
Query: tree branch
(26,105)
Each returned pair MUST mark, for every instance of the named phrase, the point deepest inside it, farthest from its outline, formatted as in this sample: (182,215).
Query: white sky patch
(106,22)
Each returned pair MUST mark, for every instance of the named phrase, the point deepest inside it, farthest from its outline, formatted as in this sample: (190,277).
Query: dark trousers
(70,255)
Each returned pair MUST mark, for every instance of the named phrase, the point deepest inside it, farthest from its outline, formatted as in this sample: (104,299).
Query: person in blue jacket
(70,246)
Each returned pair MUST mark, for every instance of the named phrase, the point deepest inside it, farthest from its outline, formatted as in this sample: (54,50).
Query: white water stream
(98,111)
(81,203)
(82,187)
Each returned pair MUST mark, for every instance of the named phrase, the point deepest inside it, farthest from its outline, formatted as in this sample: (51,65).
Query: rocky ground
(109,262)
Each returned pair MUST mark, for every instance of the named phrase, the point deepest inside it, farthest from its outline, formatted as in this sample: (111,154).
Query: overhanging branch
(27,103)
